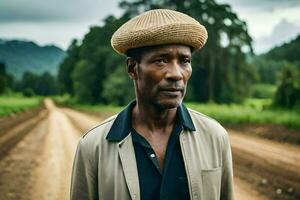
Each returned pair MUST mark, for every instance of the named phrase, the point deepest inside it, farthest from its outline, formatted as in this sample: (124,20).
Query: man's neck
(153,119)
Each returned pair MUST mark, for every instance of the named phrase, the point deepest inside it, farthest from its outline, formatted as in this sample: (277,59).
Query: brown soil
(272,167)
(246,191)
(14,128)
(82,121)
(39,166)
(269,131)
(14,119)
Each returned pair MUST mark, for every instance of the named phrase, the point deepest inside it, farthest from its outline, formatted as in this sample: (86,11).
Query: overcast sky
(270,22)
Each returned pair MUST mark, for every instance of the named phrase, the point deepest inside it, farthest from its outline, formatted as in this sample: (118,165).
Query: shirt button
(152,155)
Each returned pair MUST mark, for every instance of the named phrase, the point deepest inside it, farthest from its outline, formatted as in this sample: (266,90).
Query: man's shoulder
(98,132)
(206,124)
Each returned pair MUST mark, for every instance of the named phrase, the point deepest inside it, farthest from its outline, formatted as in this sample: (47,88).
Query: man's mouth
(172,91)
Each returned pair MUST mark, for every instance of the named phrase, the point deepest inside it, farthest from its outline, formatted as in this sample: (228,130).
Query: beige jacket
(107,170)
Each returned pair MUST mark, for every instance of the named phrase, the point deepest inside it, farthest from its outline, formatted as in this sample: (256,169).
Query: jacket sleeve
(227,190)
(84,175)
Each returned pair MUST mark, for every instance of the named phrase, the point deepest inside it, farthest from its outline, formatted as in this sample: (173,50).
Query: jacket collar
(122,124)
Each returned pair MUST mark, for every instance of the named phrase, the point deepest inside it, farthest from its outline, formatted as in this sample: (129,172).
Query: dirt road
(272,167)
(39,166)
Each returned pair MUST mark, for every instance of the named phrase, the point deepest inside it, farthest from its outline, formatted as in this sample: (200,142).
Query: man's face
(161,76)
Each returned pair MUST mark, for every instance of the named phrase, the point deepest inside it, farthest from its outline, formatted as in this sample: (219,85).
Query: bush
(263,91)
(28,92)
(288,91)
(118,88)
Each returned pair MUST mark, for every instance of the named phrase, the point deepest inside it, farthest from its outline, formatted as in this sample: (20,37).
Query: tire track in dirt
(15,119)
(54,175)
(39,166)
(17,166)
(80,120)
(246,191)
(17,132)
(273,152)
(272,167)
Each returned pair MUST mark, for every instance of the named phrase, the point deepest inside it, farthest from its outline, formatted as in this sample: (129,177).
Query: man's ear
(132,68)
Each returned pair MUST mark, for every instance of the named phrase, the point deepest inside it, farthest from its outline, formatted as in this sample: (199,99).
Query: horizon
(57,46)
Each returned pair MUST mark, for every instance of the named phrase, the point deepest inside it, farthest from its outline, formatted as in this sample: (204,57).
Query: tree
(288,91)
(66,68)
(288,51)
(2,78)
(46,85)
(268,69)
(83,78)
(33,84)
(120,89)
(87,65)
(29,81)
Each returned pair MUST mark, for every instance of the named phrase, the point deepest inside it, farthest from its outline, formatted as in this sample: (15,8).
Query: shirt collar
(122,124)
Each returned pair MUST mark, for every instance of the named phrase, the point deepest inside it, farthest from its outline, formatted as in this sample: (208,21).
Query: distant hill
(289,51)
(20,56)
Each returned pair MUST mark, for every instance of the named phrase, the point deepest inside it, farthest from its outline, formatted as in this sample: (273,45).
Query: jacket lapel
(191,171)
(128,160)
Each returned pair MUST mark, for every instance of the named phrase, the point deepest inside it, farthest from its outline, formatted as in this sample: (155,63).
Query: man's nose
(174,71)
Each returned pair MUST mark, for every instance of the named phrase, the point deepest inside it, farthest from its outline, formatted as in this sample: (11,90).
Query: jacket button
(152,155)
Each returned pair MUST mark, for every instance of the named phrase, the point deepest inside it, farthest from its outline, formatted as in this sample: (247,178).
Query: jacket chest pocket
(211,183)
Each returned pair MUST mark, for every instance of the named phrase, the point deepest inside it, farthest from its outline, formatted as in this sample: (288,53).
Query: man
(155,148)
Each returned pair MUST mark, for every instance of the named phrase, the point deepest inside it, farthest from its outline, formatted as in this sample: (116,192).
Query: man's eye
(161,61)
(186,60)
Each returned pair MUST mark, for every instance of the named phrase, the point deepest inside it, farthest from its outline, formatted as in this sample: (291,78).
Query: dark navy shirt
(170,183)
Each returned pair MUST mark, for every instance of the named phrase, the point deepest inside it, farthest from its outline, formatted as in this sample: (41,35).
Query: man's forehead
(169,49)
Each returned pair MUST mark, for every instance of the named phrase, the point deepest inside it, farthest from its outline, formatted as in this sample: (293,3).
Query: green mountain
(20,56)
(289,51)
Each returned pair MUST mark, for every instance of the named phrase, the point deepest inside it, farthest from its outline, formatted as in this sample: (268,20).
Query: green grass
(17,103)
(66,100)
(255,111)
(252,111)
(263,90)
(98,108)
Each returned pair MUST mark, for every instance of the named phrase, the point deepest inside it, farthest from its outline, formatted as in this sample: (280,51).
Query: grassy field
(98,108)
(17,103)
(256,111)
(253,111)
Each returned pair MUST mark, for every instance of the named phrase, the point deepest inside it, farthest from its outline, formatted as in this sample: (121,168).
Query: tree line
(92,72)
(30,84)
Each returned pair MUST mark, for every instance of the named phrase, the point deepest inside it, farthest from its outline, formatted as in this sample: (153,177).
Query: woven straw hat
(158,27)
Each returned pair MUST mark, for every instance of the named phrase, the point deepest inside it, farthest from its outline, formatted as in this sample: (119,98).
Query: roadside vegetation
(252,111)
(16,103)
(68,101)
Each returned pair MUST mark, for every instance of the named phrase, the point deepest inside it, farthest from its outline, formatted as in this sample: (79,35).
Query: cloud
(266,5)
(282,32)
(55,10)
(270,22)
(55,21)
(45,33)
(58,21)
